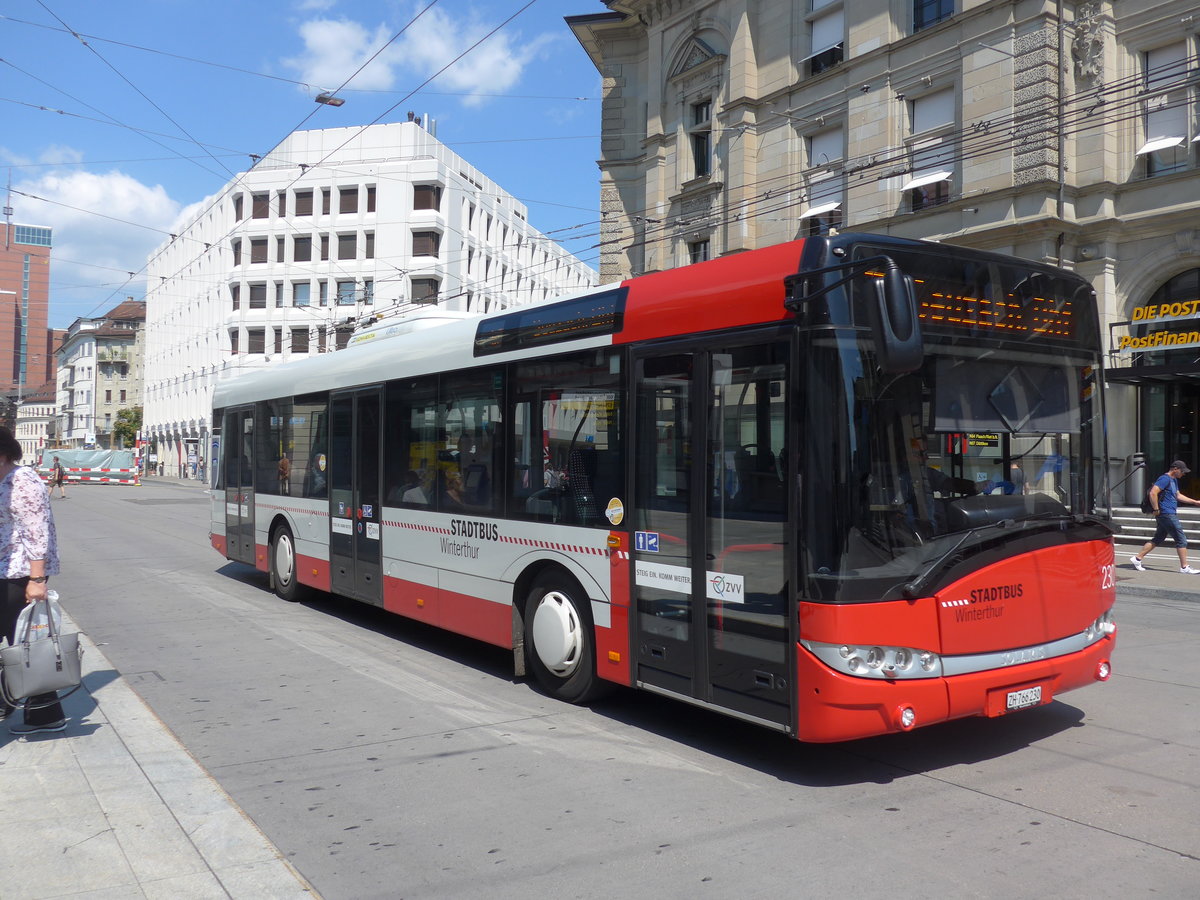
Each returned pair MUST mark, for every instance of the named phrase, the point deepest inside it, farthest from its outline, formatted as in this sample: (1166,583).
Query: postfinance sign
(1162,313)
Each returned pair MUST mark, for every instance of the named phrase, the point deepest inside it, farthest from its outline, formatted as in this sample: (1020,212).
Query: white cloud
(314,5)
(80,236)
(333,50)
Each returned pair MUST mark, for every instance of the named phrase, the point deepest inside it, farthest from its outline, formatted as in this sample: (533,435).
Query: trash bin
(1135,484)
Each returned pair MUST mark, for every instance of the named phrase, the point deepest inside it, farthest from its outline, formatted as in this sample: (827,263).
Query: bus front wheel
(283,565)
(559,641)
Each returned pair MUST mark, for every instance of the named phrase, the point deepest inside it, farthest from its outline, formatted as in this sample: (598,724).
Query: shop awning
(820,210)
(1159,144)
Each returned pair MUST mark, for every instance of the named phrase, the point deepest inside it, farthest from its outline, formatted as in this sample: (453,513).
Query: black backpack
(1146,507)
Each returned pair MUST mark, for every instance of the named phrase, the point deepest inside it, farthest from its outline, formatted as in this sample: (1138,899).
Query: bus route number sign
(645,541)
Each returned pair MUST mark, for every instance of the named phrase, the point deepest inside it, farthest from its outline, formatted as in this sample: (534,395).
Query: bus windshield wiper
(913,589)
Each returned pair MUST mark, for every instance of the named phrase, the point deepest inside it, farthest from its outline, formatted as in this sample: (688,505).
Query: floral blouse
(26,524)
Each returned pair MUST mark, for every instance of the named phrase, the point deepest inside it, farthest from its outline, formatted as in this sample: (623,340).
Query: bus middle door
(355,511)
(238,435)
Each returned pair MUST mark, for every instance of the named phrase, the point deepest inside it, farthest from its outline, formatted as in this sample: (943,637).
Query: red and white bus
(839,487)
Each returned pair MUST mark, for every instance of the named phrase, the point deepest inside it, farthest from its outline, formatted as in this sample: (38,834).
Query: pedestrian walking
(58,476)
(1164,502)
(28,557)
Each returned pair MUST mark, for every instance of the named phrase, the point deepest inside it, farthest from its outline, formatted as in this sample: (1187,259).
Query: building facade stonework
(1063,132)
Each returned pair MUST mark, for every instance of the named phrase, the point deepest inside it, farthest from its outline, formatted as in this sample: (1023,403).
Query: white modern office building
(333,228)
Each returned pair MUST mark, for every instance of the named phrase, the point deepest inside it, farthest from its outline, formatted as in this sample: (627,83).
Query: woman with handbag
(28,557)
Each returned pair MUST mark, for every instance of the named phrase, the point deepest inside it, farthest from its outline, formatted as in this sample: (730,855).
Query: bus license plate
(1024,699)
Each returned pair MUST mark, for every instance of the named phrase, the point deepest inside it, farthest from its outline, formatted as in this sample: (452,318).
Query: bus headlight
(876,661)
(1101,627)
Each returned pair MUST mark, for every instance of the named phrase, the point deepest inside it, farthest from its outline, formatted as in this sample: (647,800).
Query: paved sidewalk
(1162,577)
(115,807)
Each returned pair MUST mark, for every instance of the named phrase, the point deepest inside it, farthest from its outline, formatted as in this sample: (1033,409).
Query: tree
(127,425)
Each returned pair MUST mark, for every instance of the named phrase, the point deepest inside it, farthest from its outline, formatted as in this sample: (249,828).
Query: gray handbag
(43,665)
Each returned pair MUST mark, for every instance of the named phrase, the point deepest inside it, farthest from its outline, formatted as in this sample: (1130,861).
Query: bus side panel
(410,590)
(475,617)
(613,656)
(260,557)
(219,544)
(614,653)
(313,572)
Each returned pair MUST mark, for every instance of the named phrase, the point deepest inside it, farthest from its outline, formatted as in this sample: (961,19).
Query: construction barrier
(94,476)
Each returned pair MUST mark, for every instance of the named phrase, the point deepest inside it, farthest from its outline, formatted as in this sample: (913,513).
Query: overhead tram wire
(139,91)
(1004,141)
(390,109)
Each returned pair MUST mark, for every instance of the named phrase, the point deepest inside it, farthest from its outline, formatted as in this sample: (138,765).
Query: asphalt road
(386,759)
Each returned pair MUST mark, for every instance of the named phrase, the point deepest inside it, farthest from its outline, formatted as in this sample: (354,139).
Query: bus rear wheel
(560,643)
(283,565)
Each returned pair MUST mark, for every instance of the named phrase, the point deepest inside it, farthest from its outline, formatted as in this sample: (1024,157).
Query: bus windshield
(990,441)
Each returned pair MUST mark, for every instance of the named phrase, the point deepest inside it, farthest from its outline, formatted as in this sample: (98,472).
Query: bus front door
(238,430)
(711,549)
(355,513)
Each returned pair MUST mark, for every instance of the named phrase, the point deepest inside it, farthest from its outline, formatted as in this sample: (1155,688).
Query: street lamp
(328,98)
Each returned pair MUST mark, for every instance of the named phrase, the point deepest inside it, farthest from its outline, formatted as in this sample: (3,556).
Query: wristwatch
(41,579)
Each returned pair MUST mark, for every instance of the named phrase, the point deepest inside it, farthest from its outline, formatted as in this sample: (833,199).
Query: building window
(279,245)
(258,250)
(237,207)
(281,203)
(930,12)
(299,340)
(304,203)
(347,246)
(348,199)
(260,206)
(345,293)
(325,201)
(237,252)
(256,340)
(301,293)
(233,341)
(931,150)
(425,290)
(324,293)
(426,243)
(235,294)
(278,340)
(258,295)
(371,199)
(301,249)
(828,26)
(108,396)
(324,246)
(824,181)
(700,135)
(122,397)
(1166,147)
(279,295)
(322,341)
(698,251)
(368,290)
(427,196)
(369,244)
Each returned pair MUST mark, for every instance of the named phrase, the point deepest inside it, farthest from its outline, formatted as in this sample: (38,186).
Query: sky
(117,118)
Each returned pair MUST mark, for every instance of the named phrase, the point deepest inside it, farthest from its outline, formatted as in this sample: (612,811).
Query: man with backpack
(1164,499)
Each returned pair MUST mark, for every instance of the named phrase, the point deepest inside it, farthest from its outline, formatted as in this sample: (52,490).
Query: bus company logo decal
(730,588)
(984,602)
(484,531)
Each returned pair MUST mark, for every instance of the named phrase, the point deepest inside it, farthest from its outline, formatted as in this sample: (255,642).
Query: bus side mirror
(894,322)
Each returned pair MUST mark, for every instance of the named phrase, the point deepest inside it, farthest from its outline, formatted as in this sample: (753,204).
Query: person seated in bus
(449,490)
(411,490)
(285,475)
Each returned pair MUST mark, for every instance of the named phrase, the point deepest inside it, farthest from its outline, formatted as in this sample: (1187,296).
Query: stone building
(99,374)
(1067,132)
